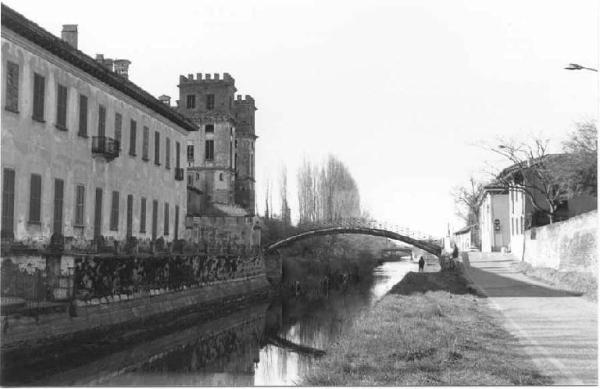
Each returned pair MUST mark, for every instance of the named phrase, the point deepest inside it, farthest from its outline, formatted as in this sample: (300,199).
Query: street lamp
(574,66)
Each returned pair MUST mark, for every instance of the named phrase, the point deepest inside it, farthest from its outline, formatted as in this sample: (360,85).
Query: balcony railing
(179,174)
(105,146)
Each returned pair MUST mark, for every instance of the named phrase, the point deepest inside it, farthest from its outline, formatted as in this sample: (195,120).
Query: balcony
(179,174)
(106,147)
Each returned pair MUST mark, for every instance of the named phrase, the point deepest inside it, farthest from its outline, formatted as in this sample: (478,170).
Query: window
(8,203)
(129,215)
(118,124)
(156,148)
(61,107)
(176,222)
(132,137)
(98,213)
(79,205)
(58,205)
(209,150)
(114,212)
(101,120)
(190,153)
(143,215)
(190,101)
(154,218)
(166,230)
(220,176)
(177,155)
(39,85)
(167,153)
(35,199)
(12,87)
(209,128)
(210,101)
(145,145)
(190,180)
(83,116)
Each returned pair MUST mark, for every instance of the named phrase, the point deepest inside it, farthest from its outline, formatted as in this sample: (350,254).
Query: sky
(404,92)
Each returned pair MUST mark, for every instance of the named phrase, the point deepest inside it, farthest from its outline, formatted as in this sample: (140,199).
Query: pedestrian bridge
(422,241)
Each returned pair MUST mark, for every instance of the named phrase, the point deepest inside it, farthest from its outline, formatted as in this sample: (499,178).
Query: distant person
(421,264)
(455,252)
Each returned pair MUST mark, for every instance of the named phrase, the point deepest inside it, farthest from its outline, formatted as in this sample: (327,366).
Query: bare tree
(467,199)
(533,171)
(580,175)
(285,209)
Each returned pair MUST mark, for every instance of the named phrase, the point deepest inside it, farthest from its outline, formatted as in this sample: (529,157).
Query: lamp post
(574,66)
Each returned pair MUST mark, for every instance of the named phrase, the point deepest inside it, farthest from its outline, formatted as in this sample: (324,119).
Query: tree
(535,172)
(580,176)
(467,199)
(285,209)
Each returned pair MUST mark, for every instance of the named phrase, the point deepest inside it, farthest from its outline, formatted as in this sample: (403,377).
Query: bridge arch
(422,244)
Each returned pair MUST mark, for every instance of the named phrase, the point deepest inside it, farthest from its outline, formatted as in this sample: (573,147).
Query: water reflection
(320,324)
(273,343)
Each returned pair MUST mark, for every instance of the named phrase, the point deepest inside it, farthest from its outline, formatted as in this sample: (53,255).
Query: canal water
(270,343)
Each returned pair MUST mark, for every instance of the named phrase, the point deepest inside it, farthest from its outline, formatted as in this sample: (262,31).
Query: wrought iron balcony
(105,146)
(179,173)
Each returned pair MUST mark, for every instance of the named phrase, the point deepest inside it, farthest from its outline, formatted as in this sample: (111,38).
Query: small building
(494,220)
(466,238)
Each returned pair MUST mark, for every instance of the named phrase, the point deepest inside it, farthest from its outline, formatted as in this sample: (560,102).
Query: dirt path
(556,328)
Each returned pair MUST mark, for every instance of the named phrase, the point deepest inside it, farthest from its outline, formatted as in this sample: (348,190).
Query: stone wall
(570,245)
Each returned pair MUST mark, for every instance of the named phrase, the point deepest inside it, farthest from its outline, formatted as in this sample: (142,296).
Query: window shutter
(35,199)
(12,86)
(8,203)
(114,214)
(58,205)
(83,115)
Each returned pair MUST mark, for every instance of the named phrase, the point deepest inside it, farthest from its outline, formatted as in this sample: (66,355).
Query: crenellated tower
(208,101)
(243,112)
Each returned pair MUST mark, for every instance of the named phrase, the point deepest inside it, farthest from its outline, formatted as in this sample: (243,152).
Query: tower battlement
(206,77)
(247,99)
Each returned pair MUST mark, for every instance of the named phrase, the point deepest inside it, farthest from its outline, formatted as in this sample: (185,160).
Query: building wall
(29,146)
(244,111)
(570,245)
(463,241)
(518,208)
(494,206)
(218,182)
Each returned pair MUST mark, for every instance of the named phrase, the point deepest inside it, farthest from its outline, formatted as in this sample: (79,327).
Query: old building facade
(85,152)
(220,156)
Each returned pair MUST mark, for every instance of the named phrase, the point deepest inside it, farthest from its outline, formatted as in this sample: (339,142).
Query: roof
(36,34)
(553,159)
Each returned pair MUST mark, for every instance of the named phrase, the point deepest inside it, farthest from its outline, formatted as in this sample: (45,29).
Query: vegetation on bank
(441,337)
(579,282)
(320,263)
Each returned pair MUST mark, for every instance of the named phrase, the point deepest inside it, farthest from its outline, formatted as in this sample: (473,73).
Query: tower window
(220,176)
(190,101)
(209,128)
(210,101)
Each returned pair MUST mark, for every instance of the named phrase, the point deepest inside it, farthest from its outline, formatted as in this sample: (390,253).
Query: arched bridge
(421,241)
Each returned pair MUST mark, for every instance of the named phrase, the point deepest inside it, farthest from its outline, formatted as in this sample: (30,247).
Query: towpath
(556,328)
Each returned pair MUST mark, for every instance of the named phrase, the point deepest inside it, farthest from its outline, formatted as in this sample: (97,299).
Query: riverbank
(427,331)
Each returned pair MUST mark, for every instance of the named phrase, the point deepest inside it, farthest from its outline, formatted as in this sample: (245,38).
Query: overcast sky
(398,90)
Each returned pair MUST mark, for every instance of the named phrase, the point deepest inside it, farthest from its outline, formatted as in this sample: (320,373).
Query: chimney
(122,67)
(69,34)
(165,99)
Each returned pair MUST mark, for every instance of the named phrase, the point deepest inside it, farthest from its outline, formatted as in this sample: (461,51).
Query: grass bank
(441,337)
(579,282)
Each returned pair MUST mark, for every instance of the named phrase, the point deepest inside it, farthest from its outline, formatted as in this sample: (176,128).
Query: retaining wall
(570,245)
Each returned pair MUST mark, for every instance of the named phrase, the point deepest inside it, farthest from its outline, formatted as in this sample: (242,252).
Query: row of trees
(326,193)
(547,179)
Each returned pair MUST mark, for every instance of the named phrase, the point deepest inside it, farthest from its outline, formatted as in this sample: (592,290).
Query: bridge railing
(370,224)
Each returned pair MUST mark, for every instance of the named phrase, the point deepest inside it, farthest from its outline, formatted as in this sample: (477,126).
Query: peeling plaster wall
(570,245)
